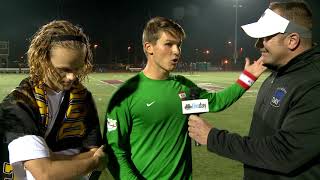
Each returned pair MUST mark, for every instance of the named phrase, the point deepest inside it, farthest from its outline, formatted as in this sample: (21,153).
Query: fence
(14,70)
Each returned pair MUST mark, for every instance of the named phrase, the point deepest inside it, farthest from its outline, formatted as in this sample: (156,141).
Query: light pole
(95,46)
(229,49)
(129,51)
(207,52)
(235,54)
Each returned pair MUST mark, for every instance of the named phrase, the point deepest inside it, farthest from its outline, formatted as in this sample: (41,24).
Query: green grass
(206,165)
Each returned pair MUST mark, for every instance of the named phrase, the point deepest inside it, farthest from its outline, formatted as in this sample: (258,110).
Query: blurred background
(214,41)
(215,46)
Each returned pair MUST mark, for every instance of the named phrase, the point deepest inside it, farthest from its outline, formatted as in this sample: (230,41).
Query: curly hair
(41,45)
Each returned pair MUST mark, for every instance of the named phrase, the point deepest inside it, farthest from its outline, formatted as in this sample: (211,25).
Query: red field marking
(113,81)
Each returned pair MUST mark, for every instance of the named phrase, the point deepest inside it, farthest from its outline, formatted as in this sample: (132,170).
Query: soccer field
(236,118)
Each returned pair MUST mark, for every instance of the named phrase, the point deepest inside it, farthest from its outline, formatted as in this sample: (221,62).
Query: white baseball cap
(271,23)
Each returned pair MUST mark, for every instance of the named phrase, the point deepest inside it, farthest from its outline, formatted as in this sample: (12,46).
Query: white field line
(104,83)
(192,75)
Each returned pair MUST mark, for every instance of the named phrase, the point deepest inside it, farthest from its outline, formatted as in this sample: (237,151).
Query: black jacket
(20,116)
(283,142)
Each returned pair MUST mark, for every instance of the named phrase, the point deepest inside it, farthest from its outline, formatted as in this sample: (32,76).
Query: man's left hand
(256,68)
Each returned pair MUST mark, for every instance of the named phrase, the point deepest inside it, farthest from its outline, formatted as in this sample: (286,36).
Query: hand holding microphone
(199,129)
(194,105)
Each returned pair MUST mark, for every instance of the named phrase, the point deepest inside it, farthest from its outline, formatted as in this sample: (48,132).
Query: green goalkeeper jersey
(146,130)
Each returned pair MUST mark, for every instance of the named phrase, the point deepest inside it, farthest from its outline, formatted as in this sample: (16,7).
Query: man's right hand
(199,129)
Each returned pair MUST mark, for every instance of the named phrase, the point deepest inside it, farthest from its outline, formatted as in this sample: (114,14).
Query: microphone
(194,105)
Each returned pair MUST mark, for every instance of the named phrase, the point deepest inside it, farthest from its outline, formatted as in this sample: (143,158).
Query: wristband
(246,79)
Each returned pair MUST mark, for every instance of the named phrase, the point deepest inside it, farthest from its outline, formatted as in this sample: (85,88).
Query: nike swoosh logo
(149,104)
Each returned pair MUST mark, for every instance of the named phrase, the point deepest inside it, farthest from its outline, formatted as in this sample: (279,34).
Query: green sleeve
(219,101)
(118,134)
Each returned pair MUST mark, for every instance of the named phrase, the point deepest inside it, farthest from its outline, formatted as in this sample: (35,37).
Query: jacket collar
(301,60)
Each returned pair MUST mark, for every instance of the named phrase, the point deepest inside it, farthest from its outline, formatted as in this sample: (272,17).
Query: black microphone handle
(194,94)
(195,142)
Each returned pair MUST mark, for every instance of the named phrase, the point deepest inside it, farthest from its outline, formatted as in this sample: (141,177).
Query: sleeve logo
(278,97)
(111,124)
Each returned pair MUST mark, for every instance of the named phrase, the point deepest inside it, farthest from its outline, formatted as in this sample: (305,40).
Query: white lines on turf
(192,75)
(102,83)
(109,84)
(96,80)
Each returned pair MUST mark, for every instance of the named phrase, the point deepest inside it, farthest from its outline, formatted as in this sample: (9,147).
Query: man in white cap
(283,139)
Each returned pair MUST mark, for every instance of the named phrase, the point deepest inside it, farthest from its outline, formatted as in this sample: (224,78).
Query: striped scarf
(73,125)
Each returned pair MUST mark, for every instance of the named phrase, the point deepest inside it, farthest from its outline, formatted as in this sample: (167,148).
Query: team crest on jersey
(111,124)
(278,97)
(182,95)
(7,171)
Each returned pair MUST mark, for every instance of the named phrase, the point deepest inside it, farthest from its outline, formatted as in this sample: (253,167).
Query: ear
(293,41)
(148,48)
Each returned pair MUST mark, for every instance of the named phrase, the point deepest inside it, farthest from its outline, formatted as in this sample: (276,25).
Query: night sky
(115,25)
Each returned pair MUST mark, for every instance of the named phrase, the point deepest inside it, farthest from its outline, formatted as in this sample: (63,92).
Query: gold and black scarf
(72,125)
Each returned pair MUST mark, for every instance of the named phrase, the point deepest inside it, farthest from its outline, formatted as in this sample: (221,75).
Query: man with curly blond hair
(52,127)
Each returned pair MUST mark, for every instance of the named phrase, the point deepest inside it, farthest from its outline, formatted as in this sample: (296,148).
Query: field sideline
(236,119)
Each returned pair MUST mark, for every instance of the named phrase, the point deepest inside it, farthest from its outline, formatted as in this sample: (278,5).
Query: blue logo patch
(278,97)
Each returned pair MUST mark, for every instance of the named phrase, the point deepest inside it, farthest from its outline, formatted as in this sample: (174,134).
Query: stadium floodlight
(235,54)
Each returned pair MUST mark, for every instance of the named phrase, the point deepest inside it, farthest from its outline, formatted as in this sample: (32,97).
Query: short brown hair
(156,25)
(42,44)
(297,11)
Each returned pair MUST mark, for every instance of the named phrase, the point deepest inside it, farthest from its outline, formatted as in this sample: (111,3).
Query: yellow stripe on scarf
(41,99)
(73,125)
